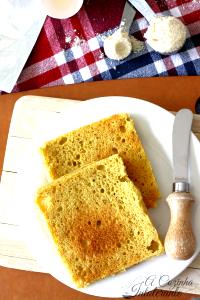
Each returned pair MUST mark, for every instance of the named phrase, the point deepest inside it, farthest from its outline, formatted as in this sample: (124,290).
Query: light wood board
(14,253)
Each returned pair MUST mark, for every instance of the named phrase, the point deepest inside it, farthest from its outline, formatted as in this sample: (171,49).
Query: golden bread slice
(98,221)
(99,140)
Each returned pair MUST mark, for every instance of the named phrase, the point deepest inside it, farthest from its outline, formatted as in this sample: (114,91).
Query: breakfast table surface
(71,50)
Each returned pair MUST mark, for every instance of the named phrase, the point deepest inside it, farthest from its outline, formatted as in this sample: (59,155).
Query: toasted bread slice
(99,140)
(98,221)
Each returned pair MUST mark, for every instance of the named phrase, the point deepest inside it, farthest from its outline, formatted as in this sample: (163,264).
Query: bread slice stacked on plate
(98,220)
(94,205)
(99,140)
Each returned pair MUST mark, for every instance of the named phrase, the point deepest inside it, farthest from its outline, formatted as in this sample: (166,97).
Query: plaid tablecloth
(71,50)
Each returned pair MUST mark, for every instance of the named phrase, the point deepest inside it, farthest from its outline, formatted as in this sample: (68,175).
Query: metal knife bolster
(181,187)
(181,141)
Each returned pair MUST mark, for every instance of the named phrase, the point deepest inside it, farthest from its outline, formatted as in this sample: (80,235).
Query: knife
(180,240)
(143,7)
(127,17)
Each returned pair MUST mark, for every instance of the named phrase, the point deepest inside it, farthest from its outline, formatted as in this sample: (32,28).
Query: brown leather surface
(170,93)
(21,285)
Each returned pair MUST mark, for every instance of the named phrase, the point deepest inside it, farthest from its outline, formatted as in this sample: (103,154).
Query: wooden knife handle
(180,240)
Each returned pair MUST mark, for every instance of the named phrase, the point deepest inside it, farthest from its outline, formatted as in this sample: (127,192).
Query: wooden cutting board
(170,93)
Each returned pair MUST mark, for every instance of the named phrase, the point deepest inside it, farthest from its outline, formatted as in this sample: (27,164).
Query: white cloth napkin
(20,24)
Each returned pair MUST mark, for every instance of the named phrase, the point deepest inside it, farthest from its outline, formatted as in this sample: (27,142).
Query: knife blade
(143,7)
(127,16)
(180,240)
(181,140)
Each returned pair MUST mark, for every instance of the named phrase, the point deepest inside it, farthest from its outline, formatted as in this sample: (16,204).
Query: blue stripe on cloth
(106,75)
(181,70)
(163,74)
(69,55)
(196,40)
(77,76)
(156,56)
(126,67)
(146,71)
(197,65)
(190,43)
(190,68)
(89,80)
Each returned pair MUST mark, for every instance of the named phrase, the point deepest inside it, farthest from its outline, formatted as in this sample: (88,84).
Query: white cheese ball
(166,34)
(118,46)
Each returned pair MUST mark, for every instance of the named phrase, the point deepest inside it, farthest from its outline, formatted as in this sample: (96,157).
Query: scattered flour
(137,45)
(77,42)
(68,39)
(101,55)
(74,40)
(117,45)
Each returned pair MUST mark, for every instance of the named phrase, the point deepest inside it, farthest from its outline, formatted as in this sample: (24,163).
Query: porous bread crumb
(98,221)
(115,134)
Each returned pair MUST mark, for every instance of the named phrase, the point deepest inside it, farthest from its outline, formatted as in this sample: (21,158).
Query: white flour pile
(119,45)
(166,34)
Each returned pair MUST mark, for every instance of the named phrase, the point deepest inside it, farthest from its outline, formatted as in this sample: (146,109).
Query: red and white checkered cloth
(59,57)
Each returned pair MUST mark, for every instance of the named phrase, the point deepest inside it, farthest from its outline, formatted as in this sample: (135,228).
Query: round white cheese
(166,34)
